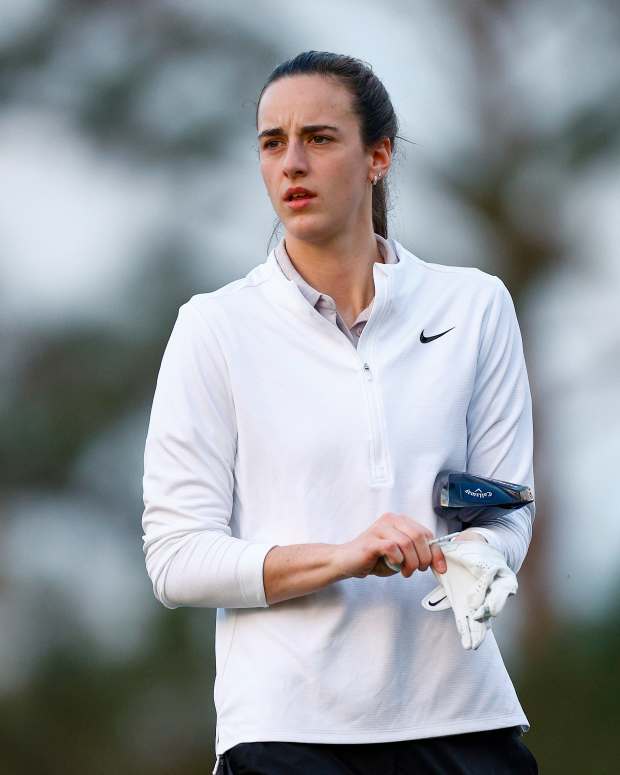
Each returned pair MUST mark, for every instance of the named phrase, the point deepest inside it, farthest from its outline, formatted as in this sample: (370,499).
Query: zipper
(379,458)
(380,469)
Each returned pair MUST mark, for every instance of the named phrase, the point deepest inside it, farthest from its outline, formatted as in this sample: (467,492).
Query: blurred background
(130,181)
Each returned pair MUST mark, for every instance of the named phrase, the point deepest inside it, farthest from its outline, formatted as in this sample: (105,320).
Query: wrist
(337,565)
(470,535)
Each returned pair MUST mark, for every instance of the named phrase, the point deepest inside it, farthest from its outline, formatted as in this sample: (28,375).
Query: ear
(437,600)
(380,158)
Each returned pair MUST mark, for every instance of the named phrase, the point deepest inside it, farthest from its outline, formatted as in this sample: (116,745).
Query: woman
(300,417)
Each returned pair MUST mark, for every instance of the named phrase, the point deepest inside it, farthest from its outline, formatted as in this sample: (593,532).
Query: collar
(398,280)
(309,292)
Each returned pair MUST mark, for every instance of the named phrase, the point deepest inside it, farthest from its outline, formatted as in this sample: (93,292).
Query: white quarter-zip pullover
(323,302)
(269,427)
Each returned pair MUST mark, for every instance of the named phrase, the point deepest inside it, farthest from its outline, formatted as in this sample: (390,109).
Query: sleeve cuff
(250,574)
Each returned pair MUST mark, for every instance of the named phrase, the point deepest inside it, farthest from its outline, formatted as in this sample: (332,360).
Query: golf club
(463,496)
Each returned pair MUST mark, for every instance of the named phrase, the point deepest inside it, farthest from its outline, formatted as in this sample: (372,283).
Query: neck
(341,268)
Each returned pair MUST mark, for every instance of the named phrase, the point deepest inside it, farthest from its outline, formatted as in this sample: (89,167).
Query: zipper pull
(367,370)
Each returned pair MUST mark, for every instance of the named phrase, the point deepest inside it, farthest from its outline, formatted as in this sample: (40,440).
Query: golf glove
(476,585)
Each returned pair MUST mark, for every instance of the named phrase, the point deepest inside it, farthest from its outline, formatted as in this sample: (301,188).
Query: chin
(310,229)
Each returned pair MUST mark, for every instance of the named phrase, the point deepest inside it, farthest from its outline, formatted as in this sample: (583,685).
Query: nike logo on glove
(437,601)
(425,339)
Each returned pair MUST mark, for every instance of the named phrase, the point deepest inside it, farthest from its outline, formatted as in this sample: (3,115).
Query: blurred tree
(155,84)
(512,185)
(151,82)
(572,688)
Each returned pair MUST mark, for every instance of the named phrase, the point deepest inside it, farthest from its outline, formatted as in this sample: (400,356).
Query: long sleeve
(499,425)
(191,556)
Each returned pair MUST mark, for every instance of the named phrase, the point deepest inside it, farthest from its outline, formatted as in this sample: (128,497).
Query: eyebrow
(304,130)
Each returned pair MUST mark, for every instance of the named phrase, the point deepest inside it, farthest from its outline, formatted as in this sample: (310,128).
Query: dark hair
(371,104)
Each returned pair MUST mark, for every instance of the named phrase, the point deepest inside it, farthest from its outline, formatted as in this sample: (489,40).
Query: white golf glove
(476,585)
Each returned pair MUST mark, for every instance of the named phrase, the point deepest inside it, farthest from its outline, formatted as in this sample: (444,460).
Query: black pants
(495,752)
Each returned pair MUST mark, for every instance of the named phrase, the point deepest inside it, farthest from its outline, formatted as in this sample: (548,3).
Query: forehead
(305,99)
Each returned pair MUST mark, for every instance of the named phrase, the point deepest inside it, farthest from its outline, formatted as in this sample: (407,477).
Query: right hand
(400,538)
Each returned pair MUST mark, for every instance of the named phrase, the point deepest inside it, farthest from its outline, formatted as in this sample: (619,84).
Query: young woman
(300,417)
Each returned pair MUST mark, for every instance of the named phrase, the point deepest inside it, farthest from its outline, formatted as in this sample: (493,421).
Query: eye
(269,144)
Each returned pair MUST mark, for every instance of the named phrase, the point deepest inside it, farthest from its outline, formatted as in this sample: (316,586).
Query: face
(314,142)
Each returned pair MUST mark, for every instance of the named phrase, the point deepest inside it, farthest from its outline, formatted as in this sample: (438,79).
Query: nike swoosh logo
(425,339)
(437,601)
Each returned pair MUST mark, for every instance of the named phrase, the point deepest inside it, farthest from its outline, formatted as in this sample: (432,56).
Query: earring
(376,178)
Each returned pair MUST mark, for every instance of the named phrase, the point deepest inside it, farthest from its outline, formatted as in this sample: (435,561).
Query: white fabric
(269,428)
(323,302)
(477,584)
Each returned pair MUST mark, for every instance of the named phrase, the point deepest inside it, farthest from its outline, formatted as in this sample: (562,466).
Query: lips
(298,192)
(301,203)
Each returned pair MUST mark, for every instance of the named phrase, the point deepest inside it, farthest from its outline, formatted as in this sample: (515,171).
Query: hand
(399,538)
(477,584)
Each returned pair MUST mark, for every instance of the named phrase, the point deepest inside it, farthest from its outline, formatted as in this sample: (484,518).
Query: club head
(463,496)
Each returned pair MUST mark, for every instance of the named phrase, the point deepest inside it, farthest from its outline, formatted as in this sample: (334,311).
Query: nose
(295,161)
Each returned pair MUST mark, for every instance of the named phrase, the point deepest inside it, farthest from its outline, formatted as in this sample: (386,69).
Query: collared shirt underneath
(323,302)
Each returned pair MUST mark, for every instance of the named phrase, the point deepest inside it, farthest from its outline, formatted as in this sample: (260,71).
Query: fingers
(397,549)
(418,537)
(472,632)
(494,602)
(478,593)
(500,592)
(491,592)
(412,540)
(414,548)
(478,632)
(393,556)
(462,625)
(423,550)
(439,560)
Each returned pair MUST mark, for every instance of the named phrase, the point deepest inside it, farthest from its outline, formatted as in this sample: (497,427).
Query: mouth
(297,198)
(297,202)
